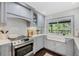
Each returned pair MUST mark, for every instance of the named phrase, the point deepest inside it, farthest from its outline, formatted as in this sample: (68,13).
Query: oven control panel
(17,42)
(22,44)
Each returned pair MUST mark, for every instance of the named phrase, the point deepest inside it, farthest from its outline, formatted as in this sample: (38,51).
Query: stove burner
(19,40)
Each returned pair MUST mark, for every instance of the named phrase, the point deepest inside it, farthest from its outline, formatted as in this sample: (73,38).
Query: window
(61,27)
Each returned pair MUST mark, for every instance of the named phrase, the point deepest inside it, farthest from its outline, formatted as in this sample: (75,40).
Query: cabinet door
(61,48)
(17,9)
(40,23)
(5,50)
(69,47)
(76,50)
(50,44)
(0,51)
(40,20)
(35,45)
(45,39)
(2,13)
(38,43)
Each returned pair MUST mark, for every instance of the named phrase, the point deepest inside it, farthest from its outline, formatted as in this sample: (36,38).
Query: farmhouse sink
(56,38)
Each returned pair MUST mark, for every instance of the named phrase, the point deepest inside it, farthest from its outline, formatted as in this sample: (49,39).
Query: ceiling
(49,8)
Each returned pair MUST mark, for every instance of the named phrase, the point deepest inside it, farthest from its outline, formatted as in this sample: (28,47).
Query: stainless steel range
(21,46)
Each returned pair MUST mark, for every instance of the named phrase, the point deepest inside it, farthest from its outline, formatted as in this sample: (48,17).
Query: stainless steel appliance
(21,46)
(24,50)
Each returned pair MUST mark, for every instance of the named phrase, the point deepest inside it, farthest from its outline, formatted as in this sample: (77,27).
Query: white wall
(16,26)
(74,12)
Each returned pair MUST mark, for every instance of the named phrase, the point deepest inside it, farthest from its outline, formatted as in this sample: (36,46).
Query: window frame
(66,18)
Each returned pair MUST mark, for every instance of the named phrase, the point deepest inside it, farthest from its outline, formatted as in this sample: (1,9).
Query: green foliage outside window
(63,27)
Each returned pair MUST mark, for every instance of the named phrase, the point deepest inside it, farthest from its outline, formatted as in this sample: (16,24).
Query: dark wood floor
(43,51)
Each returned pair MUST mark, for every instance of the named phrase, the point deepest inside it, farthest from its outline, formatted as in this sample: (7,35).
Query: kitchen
(25,29)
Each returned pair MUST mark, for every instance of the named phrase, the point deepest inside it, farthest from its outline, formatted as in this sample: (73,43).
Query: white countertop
(4,41)
(37,35)
(53,37)
(50,37)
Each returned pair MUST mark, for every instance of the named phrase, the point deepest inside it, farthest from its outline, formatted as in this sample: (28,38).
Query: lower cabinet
(76,50)
(5,50)
(50,44)
(69,47)
(38,43)
(63,48)
(60,48)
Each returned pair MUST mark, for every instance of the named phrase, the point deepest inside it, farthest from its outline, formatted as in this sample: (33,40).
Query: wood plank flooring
(46,52)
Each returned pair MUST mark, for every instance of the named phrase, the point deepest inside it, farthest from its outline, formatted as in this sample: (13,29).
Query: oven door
(21,51)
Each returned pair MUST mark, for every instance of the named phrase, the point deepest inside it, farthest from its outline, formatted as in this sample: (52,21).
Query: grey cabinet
(0,51)
(2,12)
(41,22)
(18,10)
(76,50)
(5,49)
(38,43)
(50,44)
(64,48)
(45,41)
(56,46)
(61,48)
(69,47)
(41,19)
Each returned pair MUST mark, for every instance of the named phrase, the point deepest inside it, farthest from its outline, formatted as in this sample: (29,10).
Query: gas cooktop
(19,40)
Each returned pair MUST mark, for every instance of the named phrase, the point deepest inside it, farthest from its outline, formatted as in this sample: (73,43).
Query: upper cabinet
(2,13)
(35,20)
(21,10)
(18,10)
(38,19)
(41,20)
